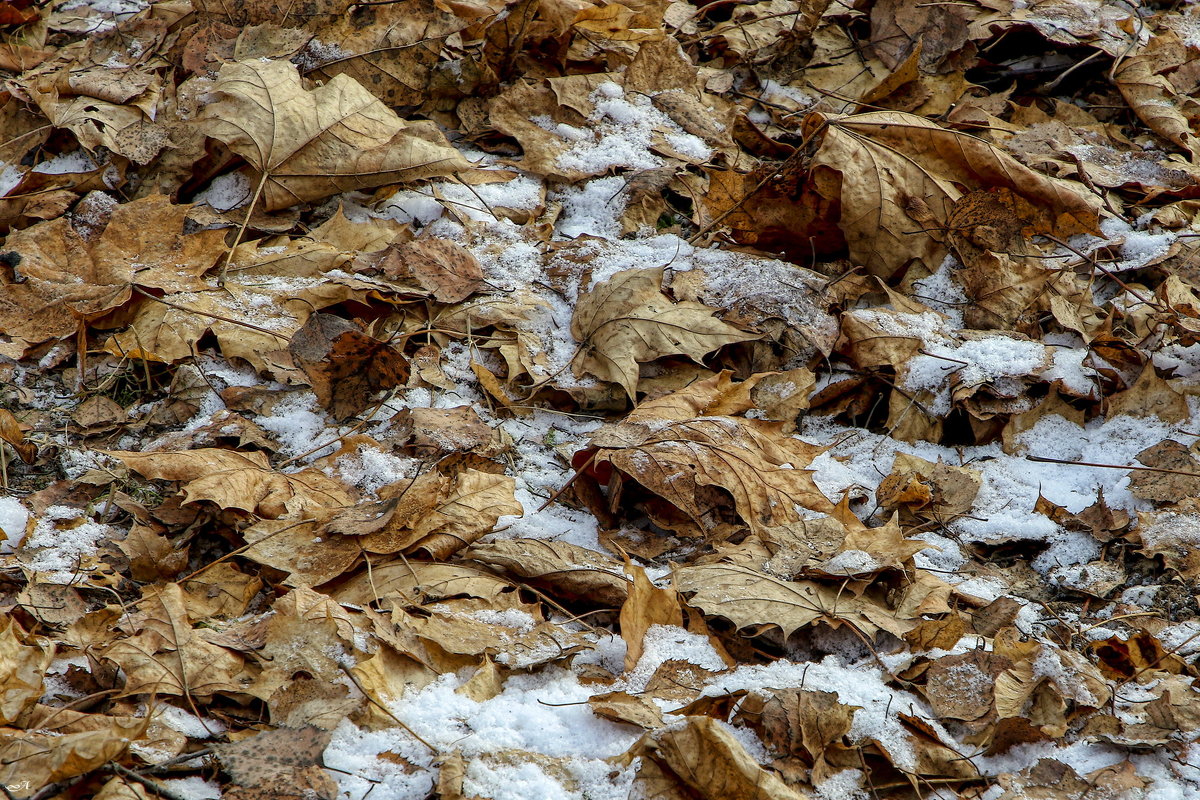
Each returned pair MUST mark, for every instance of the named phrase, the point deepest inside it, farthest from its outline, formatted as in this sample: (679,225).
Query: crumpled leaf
(750,459)
(707,759)
(627,320)
(887,160)
(308,144)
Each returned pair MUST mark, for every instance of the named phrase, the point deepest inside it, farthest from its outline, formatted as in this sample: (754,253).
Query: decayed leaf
(445,269)
(627,320)
(305,145)
(239,480)
(345,366)
(886,157)
(259,758)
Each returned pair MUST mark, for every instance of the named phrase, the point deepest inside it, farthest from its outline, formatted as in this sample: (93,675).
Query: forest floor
(571,399)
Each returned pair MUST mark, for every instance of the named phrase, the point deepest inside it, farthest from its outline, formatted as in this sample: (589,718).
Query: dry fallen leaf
(345,366)
(308,144)
(239,480)
(627,320)
(886,157)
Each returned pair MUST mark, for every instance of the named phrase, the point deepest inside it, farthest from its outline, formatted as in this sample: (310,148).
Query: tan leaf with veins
(887,158)
(239,480)
(71,276)
(747,598)
(312,144)
(627,320)
(565,571)
(167,656)
(707,759)
(760,468)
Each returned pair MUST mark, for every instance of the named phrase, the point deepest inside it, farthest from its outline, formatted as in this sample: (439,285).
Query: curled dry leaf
(239,480)
(761,469)
(65,745)
(708,760)
(306,145)
(885,158)
(515,635)
(628,320)
(563,570)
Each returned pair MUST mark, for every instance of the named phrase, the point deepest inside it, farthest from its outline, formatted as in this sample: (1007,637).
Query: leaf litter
(513,399)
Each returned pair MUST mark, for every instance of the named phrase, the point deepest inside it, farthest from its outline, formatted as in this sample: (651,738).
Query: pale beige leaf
(748,598)
(564,570)
(311,144)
